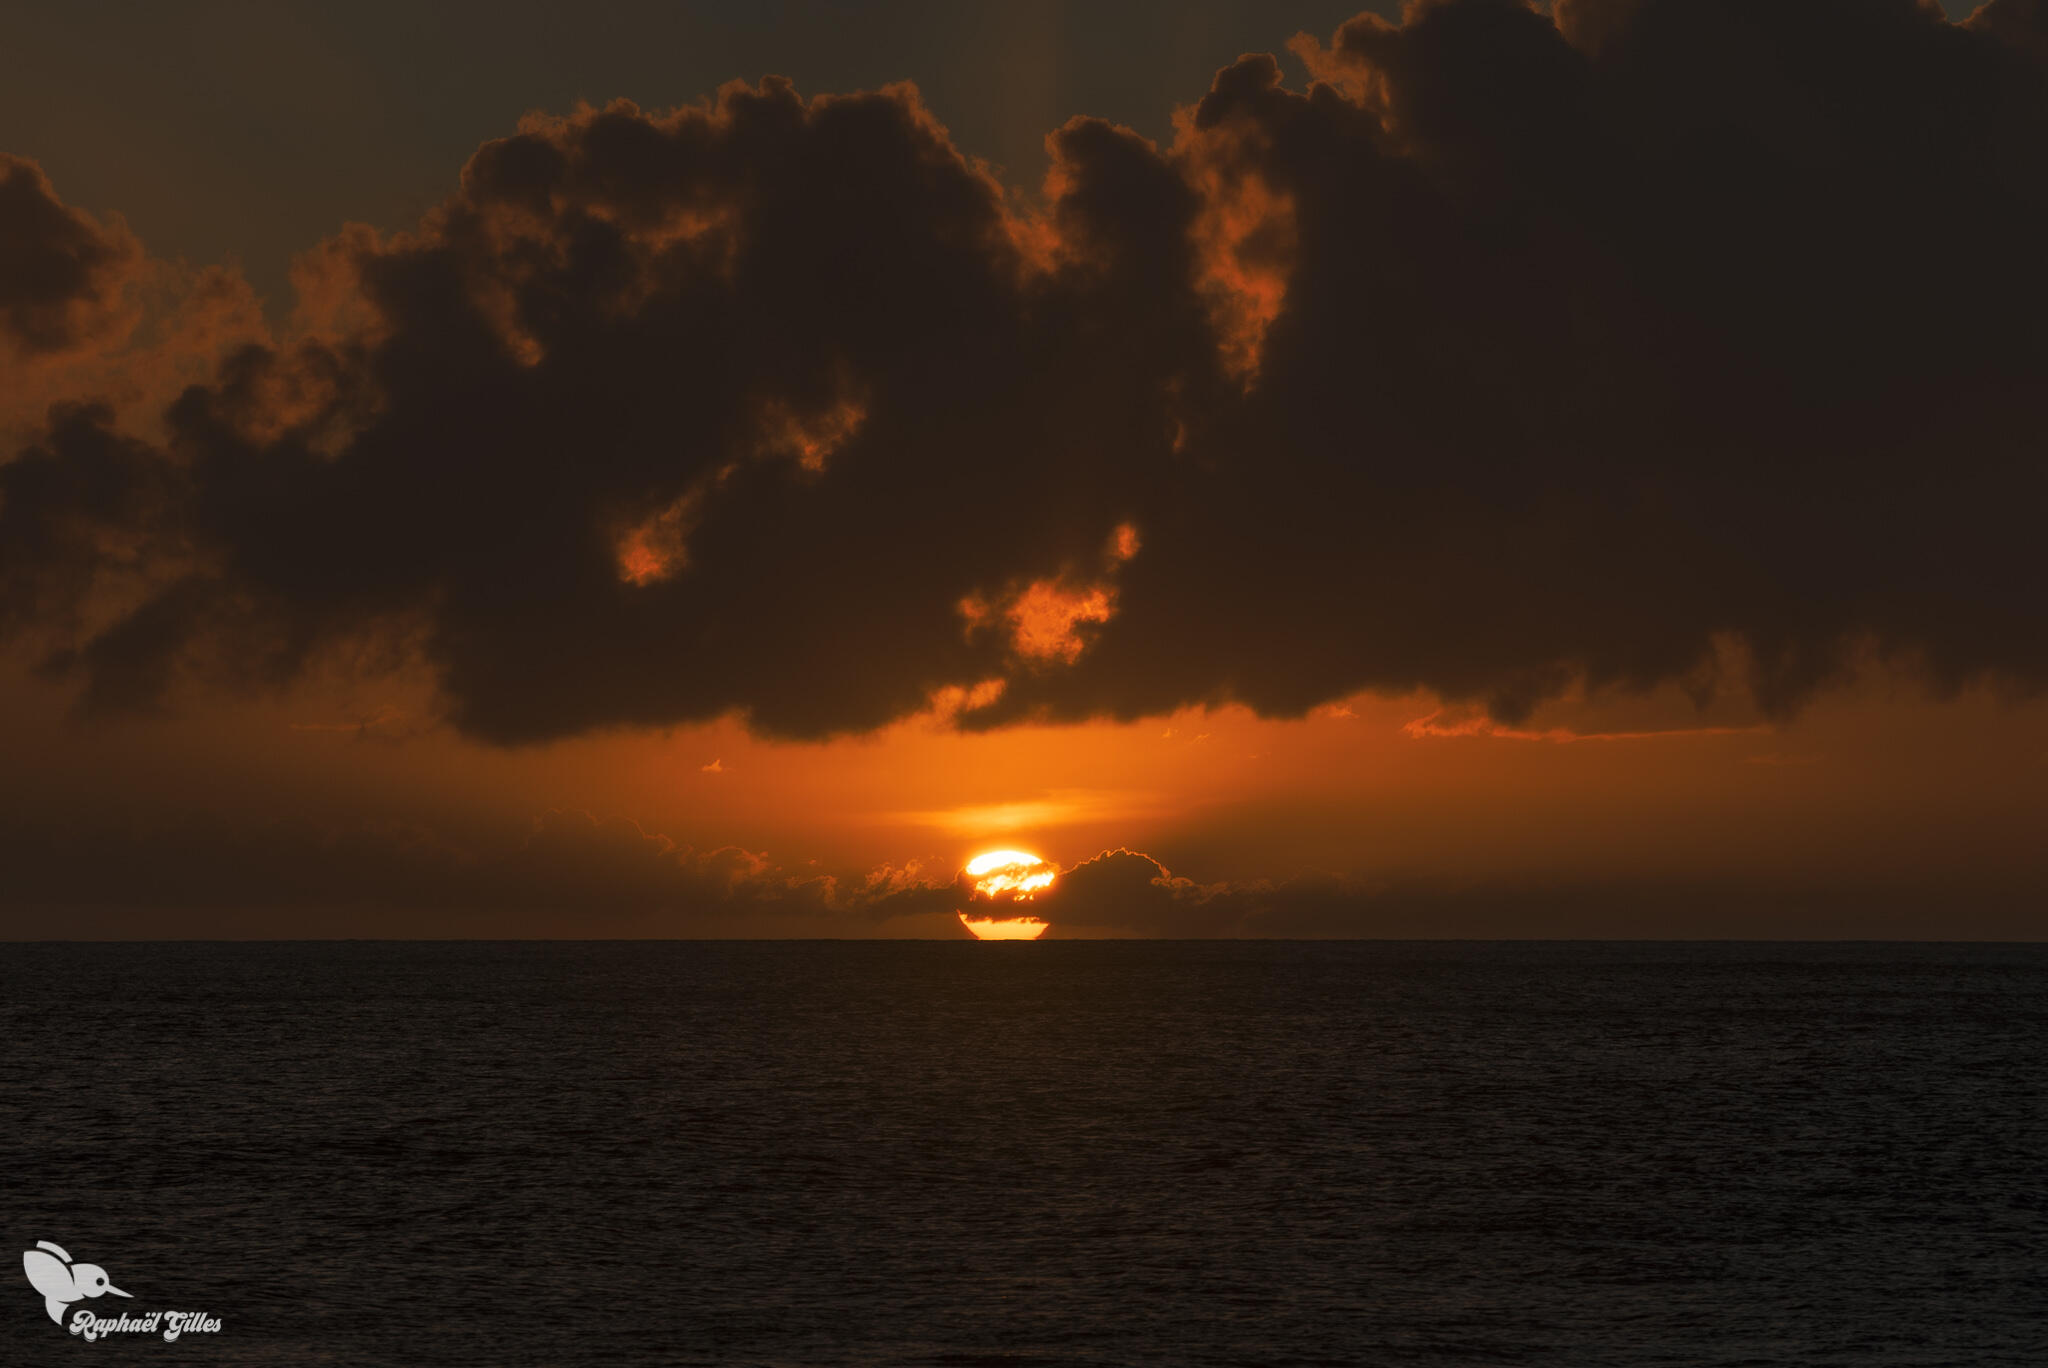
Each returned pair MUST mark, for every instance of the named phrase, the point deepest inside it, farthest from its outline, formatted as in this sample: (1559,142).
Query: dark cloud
(85,504)
(1123,889)
(1723,323)
(2020,24)
(1124,892)
(1513,353)
(61,273)
(571,874)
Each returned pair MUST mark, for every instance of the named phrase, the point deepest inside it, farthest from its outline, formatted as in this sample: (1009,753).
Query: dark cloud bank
(574,876)
(1520,349)
(1126,892)
(570,876)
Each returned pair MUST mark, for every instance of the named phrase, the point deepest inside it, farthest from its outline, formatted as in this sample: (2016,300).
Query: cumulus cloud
(87,316)
(62,274)
(1520,351)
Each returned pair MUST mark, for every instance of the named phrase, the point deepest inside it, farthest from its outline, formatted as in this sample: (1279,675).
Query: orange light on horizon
(1004,928)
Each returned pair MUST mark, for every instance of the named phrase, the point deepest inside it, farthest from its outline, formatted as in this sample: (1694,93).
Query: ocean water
(1034,1154)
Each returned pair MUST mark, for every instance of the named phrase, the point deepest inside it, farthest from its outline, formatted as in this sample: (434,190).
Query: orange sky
(1864,791)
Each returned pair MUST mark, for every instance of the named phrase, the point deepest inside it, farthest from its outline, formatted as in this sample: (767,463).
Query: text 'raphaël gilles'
(171,1323)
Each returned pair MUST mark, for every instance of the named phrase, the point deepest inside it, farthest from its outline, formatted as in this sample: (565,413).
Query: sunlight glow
(1044,620)
(655,549)
(1008,876)
(1012,874)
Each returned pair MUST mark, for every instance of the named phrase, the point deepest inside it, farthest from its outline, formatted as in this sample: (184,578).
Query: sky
(1479,470)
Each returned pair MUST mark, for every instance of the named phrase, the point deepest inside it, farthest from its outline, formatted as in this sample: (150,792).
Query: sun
(1016,875)
(1007,876)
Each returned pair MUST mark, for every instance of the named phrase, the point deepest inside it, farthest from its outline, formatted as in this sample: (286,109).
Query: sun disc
(1011,875)
(1007,876)
(997,859)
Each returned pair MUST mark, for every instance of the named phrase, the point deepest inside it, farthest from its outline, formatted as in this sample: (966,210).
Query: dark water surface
(1060,1153)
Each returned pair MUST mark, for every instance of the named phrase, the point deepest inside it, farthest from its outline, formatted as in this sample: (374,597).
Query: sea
(1029,1154)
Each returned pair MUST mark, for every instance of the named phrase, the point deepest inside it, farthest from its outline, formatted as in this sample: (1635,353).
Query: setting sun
(1007,876)
(1010,874)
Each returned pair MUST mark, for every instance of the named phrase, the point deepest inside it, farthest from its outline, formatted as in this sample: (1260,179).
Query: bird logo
(61,1281)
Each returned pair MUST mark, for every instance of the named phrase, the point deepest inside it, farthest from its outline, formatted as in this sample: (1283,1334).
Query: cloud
(573,875)
(87,317)
(1447,723)
(1124,889)
(1517,354)
(569,874)
(62,274)
(1125,892)
(2020,24)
